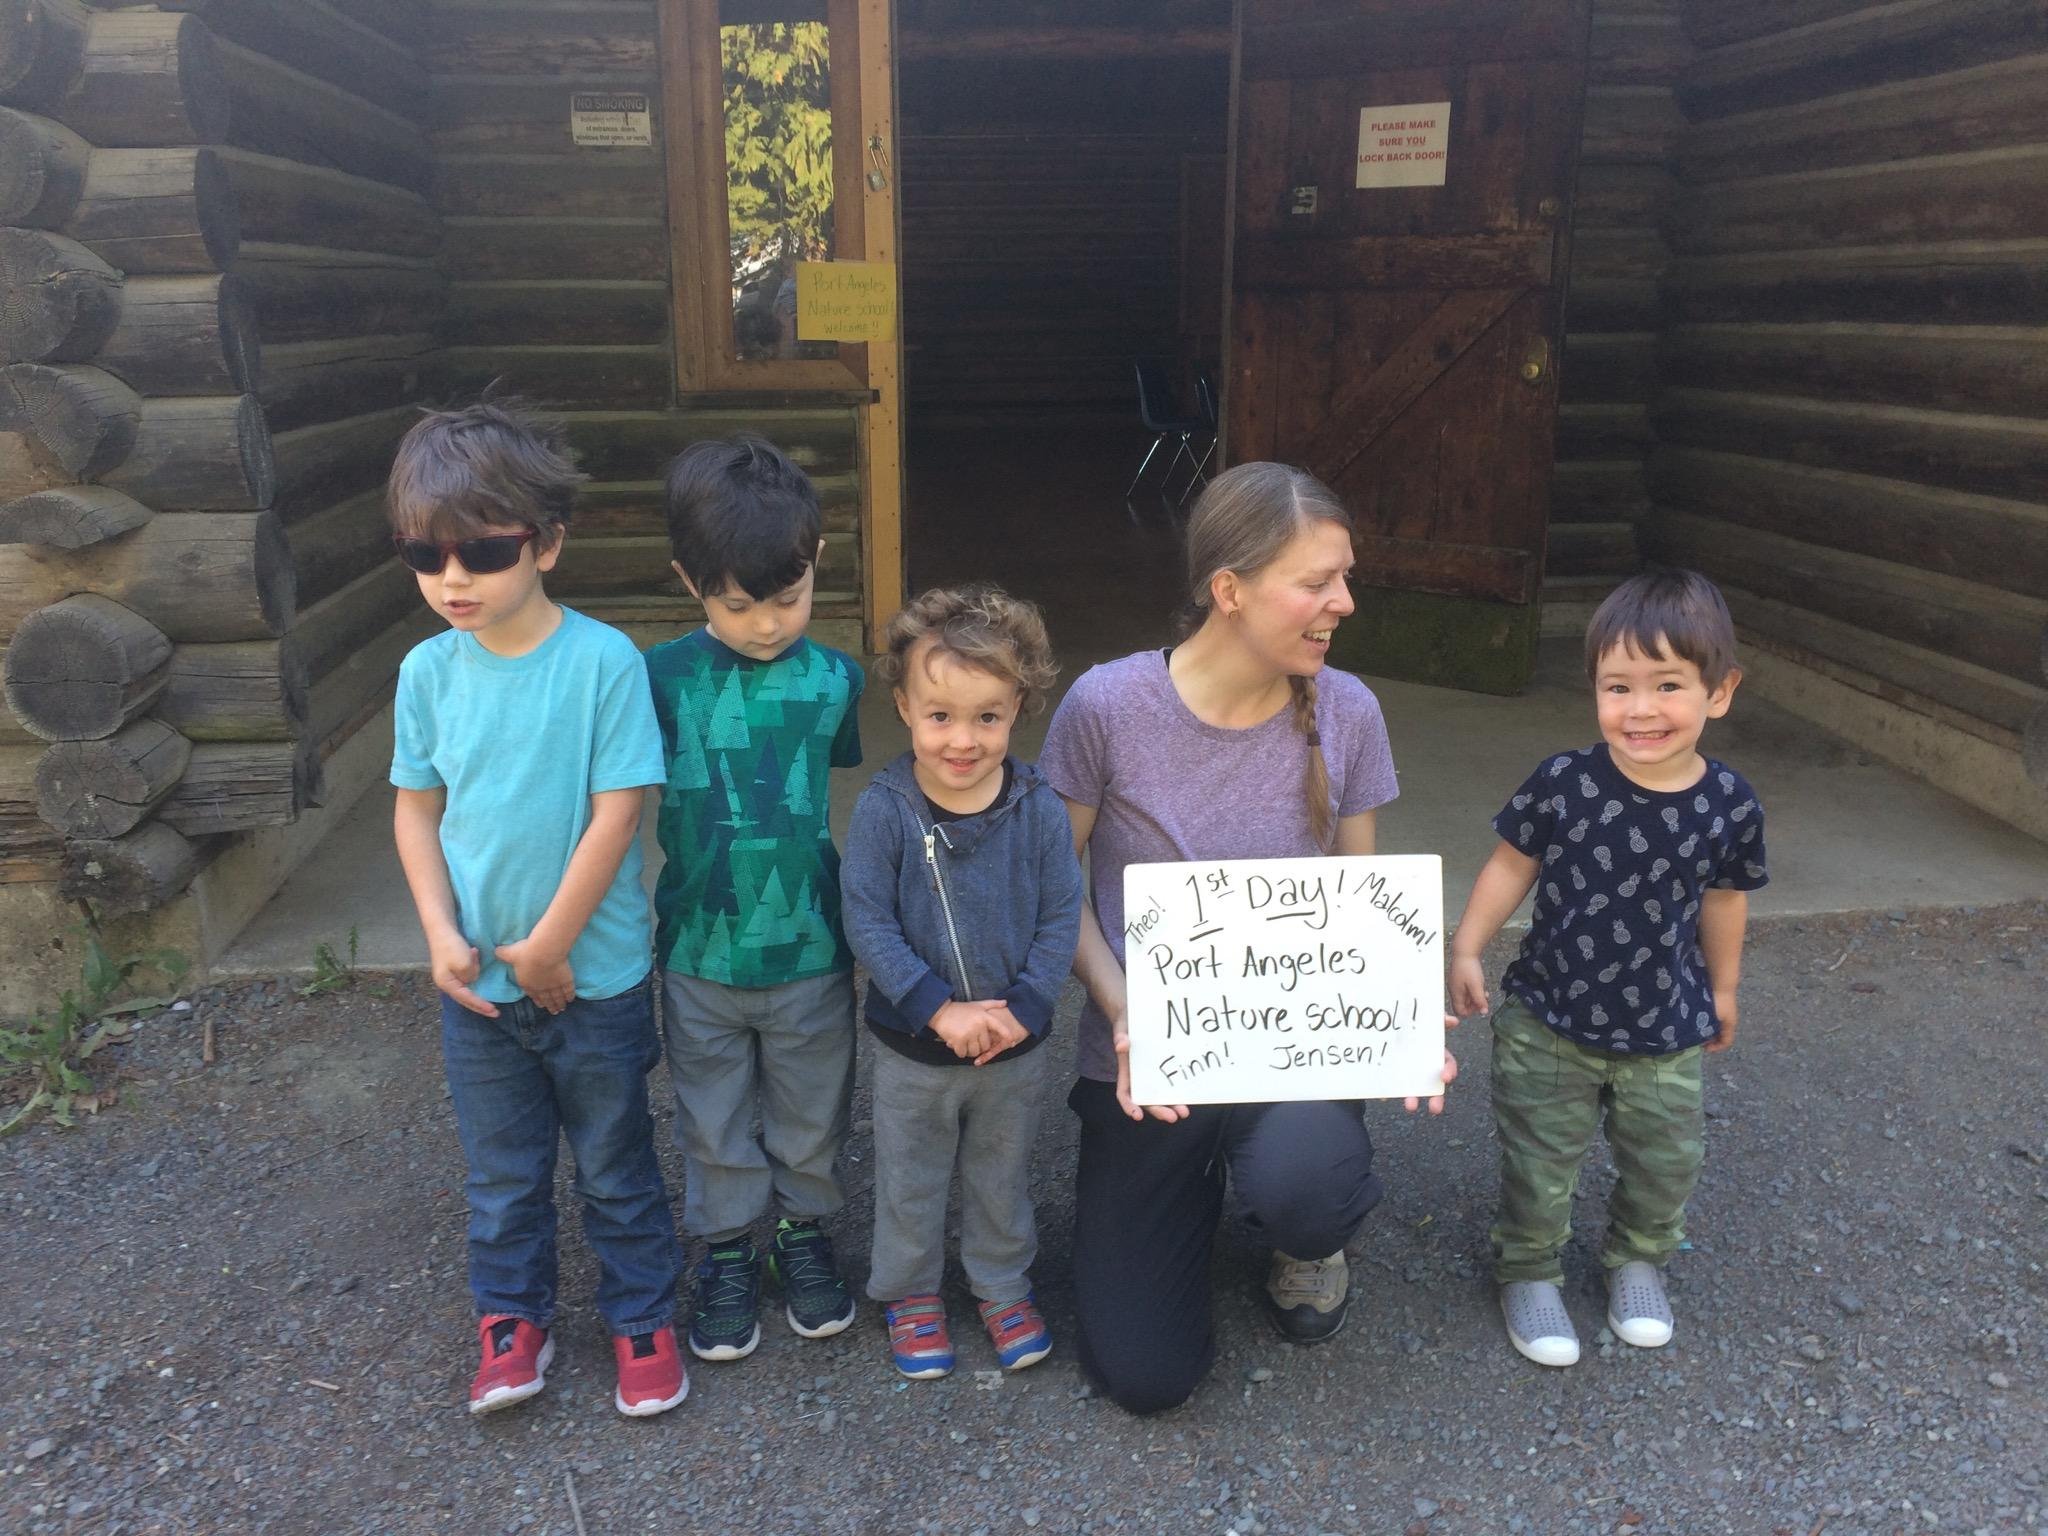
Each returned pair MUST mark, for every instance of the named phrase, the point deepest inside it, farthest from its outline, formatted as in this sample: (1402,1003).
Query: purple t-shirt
(1166,786)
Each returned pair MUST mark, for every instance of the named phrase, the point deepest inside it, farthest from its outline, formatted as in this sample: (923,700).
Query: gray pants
(924,1117)
(787,1049)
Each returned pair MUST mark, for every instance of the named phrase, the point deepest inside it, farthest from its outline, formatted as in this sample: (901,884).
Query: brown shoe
(1307,1298)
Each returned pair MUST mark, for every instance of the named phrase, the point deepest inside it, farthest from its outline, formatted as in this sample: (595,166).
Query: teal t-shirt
(749,895)
(521,743)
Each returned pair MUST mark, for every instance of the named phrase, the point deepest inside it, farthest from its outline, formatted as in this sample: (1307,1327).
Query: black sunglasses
(480,557)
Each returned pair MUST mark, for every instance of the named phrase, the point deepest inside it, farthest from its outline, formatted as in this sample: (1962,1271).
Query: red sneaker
(516,1356)
(651,1375)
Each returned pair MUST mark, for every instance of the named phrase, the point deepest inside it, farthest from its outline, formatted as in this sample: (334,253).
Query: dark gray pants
(926,1117)
(1147,1198)
(786,1050)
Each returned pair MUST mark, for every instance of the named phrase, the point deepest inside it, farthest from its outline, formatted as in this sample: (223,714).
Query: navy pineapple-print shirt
(1613,958)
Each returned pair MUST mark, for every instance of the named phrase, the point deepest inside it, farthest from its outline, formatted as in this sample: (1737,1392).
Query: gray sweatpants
(926,1116)
(787,1049)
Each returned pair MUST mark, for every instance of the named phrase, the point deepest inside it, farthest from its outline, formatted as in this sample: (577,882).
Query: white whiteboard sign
(1405,146)
(1257,980)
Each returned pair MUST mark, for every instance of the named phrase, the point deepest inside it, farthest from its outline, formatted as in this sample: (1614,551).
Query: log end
(70,517)
(135,873)
(58,301)
(83,668)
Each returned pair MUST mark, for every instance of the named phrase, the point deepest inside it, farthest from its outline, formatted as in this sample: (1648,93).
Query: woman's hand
(1120,1041)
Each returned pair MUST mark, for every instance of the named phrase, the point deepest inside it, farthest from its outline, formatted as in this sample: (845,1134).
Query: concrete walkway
(1846,832)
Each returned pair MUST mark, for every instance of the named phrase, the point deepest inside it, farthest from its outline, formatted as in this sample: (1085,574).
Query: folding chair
(1205,401)
(1155,410)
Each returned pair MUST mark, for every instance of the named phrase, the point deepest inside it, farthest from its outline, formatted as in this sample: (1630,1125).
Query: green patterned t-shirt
(749,895)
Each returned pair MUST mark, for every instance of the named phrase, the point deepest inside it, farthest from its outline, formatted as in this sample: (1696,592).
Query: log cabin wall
(558,260)
(1598,490)
(218,262)
(1043,155)
(1851,429)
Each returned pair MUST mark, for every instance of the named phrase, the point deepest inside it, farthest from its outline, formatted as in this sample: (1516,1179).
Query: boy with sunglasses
(525,741)
(757,979)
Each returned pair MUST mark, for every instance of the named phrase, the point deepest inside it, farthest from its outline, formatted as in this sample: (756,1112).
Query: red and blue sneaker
(1017,1331)
(516,1356)
(918,1337)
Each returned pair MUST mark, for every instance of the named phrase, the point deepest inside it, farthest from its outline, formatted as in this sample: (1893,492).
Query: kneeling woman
(1233,744)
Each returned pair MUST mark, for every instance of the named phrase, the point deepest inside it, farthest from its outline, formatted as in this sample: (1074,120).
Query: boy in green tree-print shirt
(757,979)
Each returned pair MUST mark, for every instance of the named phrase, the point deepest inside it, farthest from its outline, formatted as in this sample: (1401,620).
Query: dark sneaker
(651,1375)
(800,1258)
(514,1366)
(1307,1298)
(726,1324)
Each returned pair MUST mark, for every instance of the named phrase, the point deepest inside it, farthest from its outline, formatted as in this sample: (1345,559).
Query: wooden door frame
(867,377)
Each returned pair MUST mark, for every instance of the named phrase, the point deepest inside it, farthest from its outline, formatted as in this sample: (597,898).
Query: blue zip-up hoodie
(1008,879)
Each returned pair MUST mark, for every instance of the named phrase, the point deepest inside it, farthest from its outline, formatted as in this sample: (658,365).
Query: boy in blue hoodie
(962,898)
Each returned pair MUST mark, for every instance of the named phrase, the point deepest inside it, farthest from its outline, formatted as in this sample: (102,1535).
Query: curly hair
(979,626)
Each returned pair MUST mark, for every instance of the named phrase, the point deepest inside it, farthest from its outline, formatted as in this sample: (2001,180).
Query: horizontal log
(252,690)
(565,378)
(107,787)
(318,466)
(287,203)
(1598,491)
(1989,107)
(403,21)
(147,80)
(1603,430)
(199,451)
(1992,194)
(196,576)
(83,668)
(2034,747)
(1608,367)
(80,421)
(334,546)
(239,786)
(1972,698)
(2001,370)
(637,445)
(1740,21)
(1952,533)
(329,631)
(315,37)
(624,183)
(1867,46)
(125,875)
(1631,255)
(158,210)
(1636,49)
(58,301)
(1591,549)
(523,114)
(604,249)
(363,681)
(1630,125)
(2000,631)
(1629,195)
(278,110)
(601,39)
(41,45)
(70,517)
(1983,282)
(311,293)
(556,313)
(184,336)
(42,170)
(313,381)
(30,848)
(1996,455)
(1612,304)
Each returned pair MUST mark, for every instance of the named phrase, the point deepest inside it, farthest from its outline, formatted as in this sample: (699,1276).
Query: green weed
(44,1062)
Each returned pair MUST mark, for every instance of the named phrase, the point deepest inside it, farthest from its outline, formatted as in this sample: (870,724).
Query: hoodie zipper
(931,858)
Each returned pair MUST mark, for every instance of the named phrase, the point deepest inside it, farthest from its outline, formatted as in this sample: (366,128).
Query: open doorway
(1062,217)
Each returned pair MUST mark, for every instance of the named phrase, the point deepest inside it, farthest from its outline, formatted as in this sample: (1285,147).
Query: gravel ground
(235,1304)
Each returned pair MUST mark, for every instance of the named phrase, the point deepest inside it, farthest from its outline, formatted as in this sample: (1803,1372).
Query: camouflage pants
(1549,1098)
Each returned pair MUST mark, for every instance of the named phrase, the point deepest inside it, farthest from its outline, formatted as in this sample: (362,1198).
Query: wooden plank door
(1401,342)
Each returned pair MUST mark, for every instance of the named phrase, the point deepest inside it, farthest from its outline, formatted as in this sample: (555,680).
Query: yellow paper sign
(846,301)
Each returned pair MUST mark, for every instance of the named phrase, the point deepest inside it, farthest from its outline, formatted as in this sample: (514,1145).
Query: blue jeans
(521,1081)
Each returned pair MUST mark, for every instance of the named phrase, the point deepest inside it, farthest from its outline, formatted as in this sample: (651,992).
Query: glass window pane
(778,160)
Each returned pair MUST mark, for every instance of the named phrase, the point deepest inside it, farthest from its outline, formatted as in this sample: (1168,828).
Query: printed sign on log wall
(1404,146)
(1255,980)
